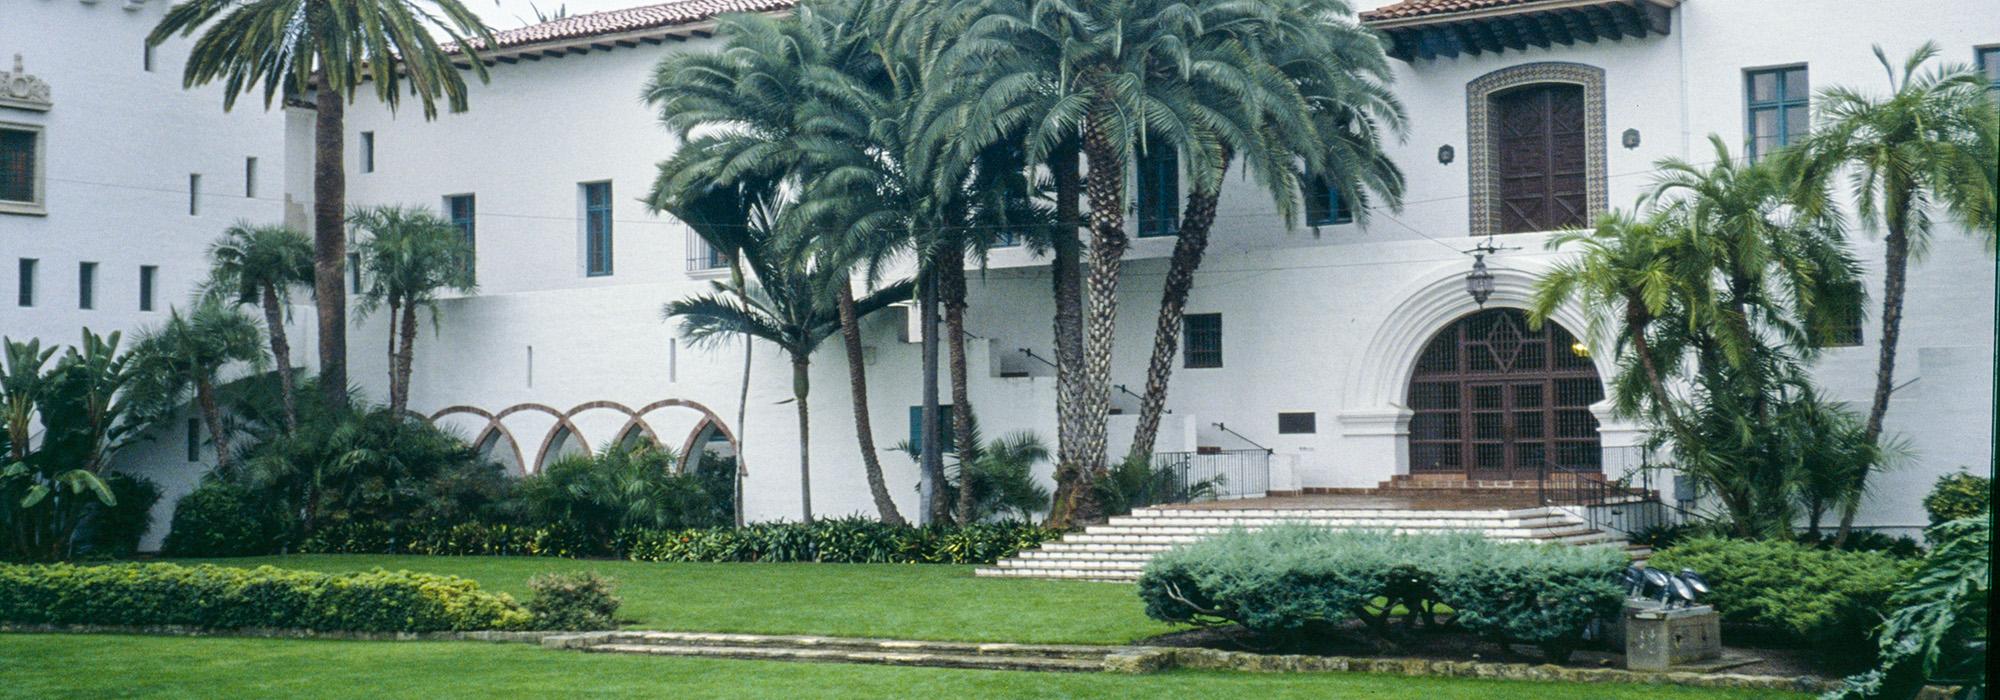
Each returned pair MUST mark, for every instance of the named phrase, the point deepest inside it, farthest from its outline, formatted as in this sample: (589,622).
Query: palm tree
(412,255)
(188,354)
(326,50)
(1312,90)
(784,306)
(1924,147)
(254,264)
(719,177)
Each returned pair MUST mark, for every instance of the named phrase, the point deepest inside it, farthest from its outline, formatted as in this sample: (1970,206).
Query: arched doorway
(1491,399)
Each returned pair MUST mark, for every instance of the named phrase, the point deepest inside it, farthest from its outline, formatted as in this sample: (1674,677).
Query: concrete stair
(1010,657)
(1119,549)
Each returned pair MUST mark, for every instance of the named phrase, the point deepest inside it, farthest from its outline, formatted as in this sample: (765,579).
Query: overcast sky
(508,14)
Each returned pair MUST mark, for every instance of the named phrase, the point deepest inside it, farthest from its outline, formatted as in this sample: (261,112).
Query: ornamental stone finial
(18,90)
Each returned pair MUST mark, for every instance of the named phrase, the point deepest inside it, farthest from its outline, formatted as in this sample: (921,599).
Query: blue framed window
(597,229)
(1779,101)
(945,435)
(461,209)
(1159,185)
(1202,336)
(1324,205)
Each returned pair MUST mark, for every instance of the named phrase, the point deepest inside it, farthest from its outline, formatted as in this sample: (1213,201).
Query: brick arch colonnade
(635,419)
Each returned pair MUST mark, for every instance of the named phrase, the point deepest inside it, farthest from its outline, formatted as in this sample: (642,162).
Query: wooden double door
(1493,399)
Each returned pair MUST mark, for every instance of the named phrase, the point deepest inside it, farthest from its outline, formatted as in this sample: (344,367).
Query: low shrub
(1958,496)
(1302,580)
(579,600)
(1898,547)
(218,520)
(840,540)
(219,597)
(1827,598)
(114,531)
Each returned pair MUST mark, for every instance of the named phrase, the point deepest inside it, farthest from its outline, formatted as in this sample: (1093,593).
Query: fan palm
(411,255)
(326,50)
(188,354)
(254,264)
(1924,149)
(782,304)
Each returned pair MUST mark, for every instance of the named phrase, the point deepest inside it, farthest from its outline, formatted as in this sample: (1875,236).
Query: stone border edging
(1151,659)
(530,637)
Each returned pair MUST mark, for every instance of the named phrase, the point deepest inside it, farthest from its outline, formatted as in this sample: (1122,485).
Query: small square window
(27,282)
(86,285)
(148,276)
(367,151)
(1300,423)
(1324,205)
(1203,338)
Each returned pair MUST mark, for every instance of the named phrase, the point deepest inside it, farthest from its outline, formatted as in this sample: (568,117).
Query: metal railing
(1628,505)
(1186,477)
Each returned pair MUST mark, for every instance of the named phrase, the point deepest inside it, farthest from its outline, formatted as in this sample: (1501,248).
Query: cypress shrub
(1827,598)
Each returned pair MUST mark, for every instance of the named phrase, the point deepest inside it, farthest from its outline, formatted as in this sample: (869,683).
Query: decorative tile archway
(1482,167)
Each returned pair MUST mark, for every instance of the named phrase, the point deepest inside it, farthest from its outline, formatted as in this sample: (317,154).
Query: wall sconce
(1631,138)
(1445,154)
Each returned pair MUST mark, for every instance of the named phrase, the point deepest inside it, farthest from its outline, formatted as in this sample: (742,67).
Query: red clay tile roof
(1408,9)
(632,19)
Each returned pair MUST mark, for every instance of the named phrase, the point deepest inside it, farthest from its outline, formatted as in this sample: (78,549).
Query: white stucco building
(563,348)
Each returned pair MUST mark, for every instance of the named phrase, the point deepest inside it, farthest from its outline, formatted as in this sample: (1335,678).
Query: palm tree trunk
(801,388)
(395,316)
(281,351)
(1066,274)
(864,432)
(330,245)
(1895,274)
(953,272)
(743,397)
(1188,249)
(406,355)
(1637,318)
(931,454)
(1104,262)
(211,415)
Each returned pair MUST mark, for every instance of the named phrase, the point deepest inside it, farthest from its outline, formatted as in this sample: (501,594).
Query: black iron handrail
(1052,365)
(1605,504)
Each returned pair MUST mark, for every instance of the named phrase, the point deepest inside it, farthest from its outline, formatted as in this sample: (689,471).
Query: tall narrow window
(86,285)
(148,275)
(20,169)
(1202,334)
(367,151)
(250,177)
(461,209)
(194,195)
(946,436)
(193,440)
(146,56)
(1540,153)
(1779,104)
(354,273)
(1159,184)
(26,286)
(1324,205)
(597,228)
(1988,59)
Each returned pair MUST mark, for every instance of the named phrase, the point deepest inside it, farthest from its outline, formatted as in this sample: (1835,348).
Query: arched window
(563,444)
(495,447)
(635,438)
(1492,399)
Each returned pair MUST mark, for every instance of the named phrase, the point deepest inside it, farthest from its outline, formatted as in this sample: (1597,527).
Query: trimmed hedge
(843,540)
(220,597)
(1828,598)
(580,600)
(1300,579)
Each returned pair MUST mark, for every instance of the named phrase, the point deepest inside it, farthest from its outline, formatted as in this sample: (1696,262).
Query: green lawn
(902,601)
(95,666)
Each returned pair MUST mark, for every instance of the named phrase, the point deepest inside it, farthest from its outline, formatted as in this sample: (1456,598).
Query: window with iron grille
(1988,60)
(702,256)
(1324,205)
(20,168)
(1779,108)
(597,228)
(1159,185)
(1845,333)
(463,209)
(1300,423)
(1202,334)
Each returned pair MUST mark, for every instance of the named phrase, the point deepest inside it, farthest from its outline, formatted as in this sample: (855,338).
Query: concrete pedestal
(1657,639)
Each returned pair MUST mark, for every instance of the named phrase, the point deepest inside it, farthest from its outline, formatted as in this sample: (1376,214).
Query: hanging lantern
(1479,282)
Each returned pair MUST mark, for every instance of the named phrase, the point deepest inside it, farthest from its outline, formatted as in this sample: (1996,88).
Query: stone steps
(1120,549)
(1012,657)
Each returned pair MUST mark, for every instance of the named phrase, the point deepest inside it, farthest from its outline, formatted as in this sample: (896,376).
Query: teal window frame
(463,209)
(946,436)
(597,229)
(1792,91)
(1158,203)
(1325,206)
